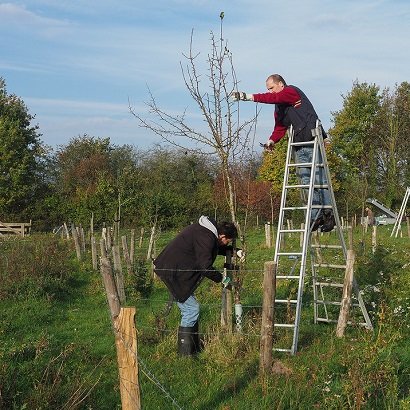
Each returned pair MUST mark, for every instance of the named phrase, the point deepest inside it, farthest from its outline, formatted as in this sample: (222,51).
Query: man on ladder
(295,114)
(293,108)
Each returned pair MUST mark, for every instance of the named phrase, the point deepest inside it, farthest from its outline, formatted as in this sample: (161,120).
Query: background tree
(369,144)
(353,141)
(22,156)
(393,127)
(86,178)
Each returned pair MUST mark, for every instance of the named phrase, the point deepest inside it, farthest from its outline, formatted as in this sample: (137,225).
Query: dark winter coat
(187,259)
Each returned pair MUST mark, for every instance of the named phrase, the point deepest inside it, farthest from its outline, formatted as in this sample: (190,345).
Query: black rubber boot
(188,340)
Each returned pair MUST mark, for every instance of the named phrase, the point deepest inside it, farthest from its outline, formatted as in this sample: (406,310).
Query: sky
(78,65)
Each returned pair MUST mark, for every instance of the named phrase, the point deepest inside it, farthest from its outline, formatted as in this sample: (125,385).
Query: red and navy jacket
(292,107)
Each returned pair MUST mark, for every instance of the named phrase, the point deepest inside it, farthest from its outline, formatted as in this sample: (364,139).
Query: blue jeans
(320,196)
(189,311)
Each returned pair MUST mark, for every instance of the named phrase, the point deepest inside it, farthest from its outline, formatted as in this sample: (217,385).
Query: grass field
(57,346)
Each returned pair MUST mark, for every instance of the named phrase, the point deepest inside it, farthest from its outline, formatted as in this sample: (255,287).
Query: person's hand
(268,145)
(241,255)
(241,96)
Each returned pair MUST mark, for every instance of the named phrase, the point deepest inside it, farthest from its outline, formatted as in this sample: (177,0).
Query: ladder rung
(334,303)
(302,143)
(322,319)
(316,186)
(277,349)
(322,206)
(287,277)
(327,246)
(305,164)
(293,301)
(293,208)
(330,284)
(297,186)
(290,253)
(291,230)
(329,265)
(326,302)
(286,325)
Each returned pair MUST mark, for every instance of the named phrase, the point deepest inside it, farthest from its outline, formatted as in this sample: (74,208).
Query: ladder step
(291,230)
(305,165)
(322,206)
(290,253)
(316,186)
(329,265)
(284,325)
(322,319)
(293,301)
(303,143)
(327,246)
(297,186)
(330,284)
(293,208)
(277,349)
(328,302)
(287,277)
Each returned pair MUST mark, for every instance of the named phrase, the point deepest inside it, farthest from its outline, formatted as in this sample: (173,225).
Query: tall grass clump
(35,266)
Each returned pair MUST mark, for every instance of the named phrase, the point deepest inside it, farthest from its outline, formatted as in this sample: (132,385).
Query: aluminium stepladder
(397,224)
(291,254)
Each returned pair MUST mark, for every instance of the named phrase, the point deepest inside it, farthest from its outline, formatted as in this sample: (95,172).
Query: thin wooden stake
(126,255)
(74,233)
(374,238)
(347,294)
(119,277)
(94,255)
(110,288)
(268,312)
(268,235)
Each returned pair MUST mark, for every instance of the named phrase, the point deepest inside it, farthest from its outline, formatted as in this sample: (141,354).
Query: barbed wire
(153,379)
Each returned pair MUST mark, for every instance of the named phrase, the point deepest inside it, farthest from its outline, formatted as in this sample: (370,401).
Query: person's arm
(204,245)
(287,96)
(279,130)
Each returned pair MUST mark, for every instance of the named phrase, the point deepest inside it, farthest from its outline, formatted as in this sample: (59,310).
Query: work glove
(241,255)
(268,145)
(226,281)
(239,95)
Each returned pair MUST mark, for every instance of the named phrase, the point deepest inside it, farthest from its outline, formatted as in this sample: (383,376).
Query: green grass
(57,346)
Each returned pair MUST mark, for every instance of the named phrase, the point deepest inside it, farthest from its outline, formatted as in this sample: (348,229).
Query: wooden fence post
(108,243)
(74,233)
(126,255)
(94,255)
(141,237)
(350,237)
(268,235)
(119,277)
(66,231)
(268,312)
(374,238)
(110,288)
(103,249)
(347,293)
(126,345)
(82,236)
(408,226)
(132,246)
(151,243)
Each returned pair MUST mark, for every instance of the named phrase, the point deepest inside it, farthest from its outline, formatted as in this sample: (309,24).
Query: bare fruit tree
(226,135)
